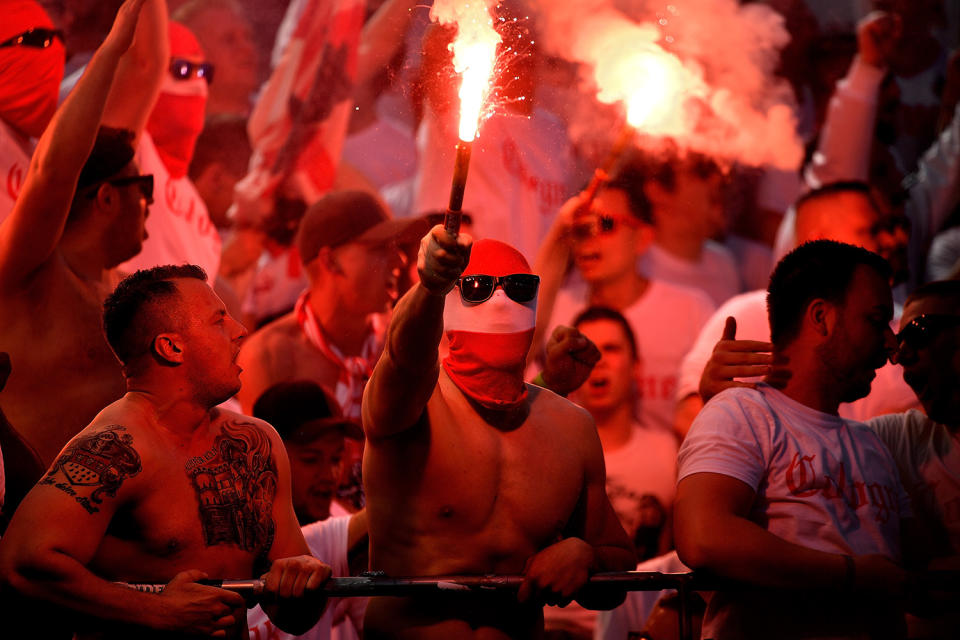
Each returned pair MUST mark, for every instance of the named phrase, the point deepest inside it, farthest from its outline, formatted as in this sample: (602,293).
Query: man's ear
(328,261)
(168,348)
(822,316)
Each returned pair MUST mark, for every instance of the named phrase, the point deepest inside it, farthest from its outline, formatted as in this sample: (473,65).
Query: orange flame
(474,54)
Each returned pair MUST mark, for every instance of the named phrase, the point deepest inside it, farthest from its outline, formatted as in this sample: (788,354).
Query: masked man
(468,469)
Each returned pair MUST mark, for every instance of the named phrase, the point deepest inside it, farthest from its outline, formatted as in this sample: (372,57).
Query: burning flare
(474,53)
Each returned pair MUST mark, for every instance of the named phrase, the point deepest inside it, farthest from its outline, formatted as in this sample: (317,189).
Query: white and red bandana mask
(489,340)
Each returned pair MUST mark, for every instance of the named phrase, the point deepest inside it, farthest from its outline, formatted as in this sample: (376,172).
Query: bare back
(63,371)
(456,495)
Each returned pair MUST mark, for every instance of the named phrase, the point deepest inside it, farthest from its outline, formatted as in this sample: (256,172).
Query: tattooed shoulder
(94,465)
(235,482)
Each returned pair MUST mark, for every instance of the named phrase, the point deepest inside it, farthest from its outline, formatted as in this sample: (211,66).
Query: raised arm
(59,526)
(382,36)
(407,371)
(31,233)
(551,264)
(140,72)
(843,152)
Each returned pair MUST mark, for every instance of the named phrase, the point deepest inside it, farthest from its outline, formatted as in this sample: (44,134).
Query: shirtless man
(469,470)
(80,213)
(163,486)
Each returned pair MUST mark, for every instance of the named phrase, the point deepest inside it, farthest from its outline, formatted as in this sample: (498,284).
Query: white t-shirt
(645,466)
(715,273)
(665,321)
(928,457)
(520,174)
(888,392)
(821,482)
(14,162)
(327,541)
(179,227)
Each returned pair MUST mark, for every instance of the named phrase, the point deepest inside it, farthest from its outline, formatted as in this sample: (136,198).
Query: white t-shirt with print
(179,227)
(821,482)
(665,321)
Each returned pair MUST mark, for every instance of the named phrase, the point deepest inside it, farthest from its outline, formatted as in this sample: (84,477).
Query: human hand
(189,607)
(734,358)
(555,574)
(442,259)
(570,357)
(124,26)
(877,37)
(295,577)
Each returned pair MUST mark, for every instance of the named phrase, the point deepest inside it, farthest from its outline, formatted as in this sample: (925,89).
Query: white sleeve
(843,152)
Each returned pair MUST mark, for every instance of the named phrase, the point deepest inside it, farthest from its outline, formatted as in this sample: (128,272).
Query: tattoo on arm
(236,482)
(102,460)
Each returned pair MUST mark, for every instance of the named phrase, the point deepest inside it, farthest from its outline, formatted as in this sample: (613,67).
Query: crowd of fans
(767,361)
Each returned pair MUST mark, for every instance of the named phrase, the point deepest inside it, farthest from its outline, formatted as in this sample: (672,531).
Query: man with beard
(777,490)
(349,246)
(80,213)
(163,486)
(470,470)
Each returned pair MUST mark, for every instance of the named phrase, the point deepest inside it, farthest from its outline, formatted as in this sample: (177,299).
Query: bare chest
(210,508)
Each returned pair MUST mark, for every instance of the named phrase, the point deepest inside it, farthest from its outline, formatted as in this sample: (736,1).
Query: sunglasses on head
(143,182)
(519,287)
(599,225)
(38,38)
(185,69)
(920,331)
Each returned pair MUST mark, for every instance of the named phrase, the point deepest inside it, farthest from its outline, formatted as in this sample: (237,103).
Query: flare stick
(452,220)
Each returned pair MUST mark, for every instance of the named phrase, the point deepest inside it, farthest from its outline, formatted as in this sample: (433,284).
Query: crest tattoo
(103,460)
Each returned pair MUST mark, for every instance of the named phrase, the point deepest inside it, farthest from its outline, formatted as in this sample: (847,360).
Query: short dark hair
(224,139)
(629,179)
(595,313)
(816,269)
(112,151)
(129,330)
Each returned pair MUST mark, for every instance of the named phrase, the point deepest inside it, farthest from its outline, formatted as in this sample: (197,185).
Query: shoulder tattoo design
(236,481)
(103,460)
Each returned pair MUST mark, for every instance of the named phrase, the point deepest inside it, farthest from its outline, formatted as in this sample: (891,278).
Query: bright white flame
(474,54)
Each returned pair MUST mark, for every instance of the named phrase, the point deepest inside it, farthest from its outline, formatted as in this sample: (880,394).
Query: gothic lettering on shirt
(236,481)
(801,478)
(102,459)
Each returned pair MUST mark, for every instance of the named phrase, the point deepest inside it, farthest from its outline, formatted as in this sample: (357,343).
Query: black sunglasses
(519,287)
(38,38)
(185,69)
(598,225)
(920,331)
(143,182)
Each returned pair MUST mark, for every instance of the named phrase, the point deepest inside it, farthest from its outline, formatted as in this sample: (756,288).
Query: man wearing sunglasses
(81,212)
(180,230)
(470,470)
(31,59)
(604,242)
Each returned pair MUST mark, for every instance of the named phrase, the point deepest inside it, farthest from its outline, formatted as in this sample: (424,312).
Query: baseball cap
(301,411)
(350,216)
